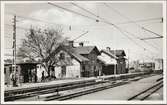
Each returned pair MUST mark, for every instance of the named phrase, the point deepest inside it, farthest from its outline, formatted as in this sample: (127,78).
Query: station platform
(54,82)
(25,86)
(122,92)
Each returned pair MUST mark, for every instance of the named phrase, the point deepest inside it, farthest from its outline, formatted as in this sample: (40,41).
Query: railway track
(41,90)
(91,90)
(85,91)
(147,92)
(107,82)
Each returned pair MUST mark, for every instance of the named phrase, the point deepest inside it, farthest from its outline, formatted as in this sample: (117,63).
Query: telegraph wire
(111,24)
(134,23)
(122,15)
(34,19)
(90,13)
(104,21)
(140,39)
(96,20)
(142,20)
(84,9)
(17,27)
(152,32)
(72,11)
(81,35)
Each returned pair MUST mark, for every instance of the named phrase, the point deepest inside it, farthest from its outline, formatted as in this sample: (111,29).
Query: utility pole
(14,47)
(115,68)
(14,40)
(153,64)
(128,58)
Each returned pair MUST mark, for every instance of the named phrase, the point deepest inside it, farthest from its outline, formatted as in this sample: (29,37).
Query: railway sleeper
(56,89)
(83,92)
(160,83)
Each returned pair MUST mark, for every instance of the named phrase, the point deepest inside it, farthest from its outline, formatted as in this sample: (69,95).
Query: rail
(147,92)
(12,95)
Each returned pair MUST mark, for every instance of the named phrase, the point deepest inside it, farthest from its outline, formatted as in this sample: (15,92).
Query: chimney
(71,43)
(108,48)
(81,44)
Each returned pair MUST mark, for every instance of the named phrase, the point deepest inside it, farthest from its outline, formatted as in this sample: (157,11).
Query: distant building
(147,66)
(134,66)
(159,64)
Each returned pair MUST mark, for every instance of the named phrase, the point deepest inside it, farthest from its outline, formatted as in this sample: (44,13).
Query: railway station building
(80,61)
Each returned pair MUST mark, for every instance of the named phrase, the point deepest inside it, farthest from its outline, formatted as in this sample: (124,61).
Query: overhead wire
(81,35)
(34,19)
(152,32)
(84,9)
(140,39)
(143,20)
(130,19)
(95,19)
(72,11)
(17,27)
(121,30)
(134,23)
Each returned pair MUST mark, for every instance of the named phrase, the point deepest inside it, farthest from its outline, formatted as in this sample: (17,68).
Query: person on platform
(13,78)
(43,76)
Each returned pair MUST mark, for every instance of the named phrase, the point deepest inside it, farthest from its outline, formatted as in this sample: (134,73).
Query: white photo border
(85,101)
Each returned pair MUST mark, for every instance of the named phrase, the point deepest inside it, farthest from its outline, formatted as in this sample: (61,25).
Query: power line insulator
(97,20)
(161,20)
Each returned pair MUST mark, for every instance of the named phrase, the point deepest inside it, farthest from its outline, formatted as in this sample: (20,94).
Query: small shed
(26,72)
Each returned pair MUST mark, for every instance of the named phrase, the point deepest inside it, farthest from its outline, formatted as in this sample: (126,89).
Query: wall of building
(68,67)
(108,69)
(40,69)
(92,65)
(158,64)
(72,71)
(121,66)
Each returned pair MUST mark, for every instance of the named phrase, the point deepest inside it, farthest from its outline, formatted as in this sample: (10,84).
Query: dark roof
(72,52)
(23,63)
(78,51)
(19,61)
(86,49)
(118,52)
(79,57)
(109,53)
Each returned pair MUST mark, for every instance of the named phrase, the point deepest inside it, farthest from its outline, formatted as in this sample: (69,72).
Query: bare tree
(42,44)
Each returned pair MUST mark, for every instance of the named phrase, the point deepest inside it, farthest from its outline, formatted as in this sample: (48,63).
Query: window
(83,67)
(62,56)
(5,70)
(38,66)
(10,69)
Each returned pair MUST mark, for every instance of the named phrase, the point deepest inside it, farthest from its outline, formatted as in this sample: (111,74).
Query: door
(63,69)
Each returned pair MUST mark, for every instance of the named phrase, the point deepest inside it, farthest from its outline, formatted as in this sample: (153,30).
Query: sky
(99,33)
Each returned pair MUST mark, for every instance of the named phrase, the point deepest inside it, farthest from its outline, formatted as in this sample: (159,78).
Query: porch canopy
(107,60)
